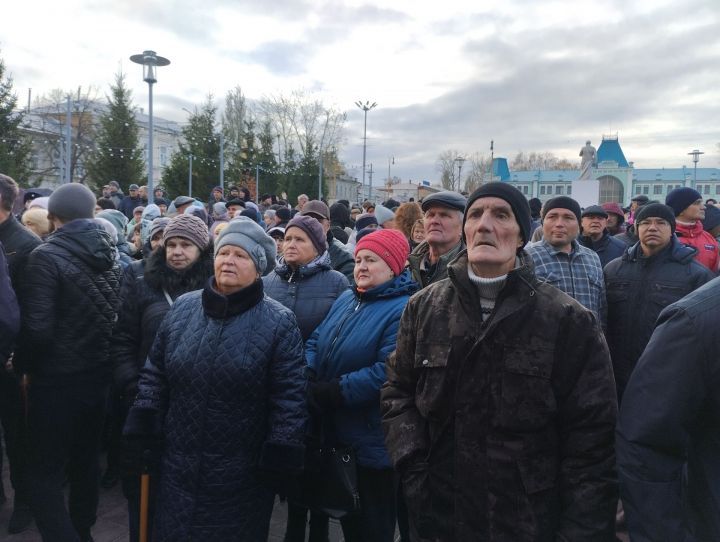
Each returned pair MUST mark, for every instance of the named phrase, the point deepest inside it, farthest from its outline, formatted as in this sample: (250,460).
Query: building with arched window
(619,180)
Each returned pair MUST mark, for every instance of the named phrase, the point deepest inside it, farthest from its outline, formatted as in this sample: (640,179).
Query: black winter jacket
(502,430)
(19,242)
(607,248)
(224,384)
(638,289)
(69,303)
(142,307)
(9,311)
(340,259)
(308,291)
(668,437)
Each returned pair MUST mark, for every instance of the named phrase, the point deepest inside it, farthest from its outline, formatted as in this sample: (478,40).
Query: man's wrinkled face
(492,235)
(594,225)
(443,225)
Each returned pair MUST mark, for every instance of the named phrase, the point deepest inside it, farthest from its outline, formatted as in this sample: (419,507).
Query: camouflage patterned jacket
(502,431)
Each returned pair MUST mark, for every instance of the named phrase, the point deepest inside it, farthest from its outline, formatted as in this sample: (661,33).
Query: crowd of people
(491,368)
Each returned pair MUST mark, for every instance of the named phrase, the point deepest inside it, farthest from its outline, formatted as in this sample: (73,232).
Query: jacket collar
(403,284)
(675,251)
(217,305)
(320,263)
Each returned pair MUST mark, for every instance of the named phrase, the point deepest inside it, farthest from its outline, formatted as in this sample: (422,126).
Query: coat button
(426,362)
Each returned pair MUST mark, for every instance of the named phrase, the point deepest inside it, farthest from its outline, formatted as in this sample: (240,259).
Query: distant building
(46,128)
(619,179)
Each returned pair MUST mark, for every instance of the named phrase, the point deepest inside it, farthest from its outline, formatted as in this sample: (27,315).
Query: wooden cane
(144,498)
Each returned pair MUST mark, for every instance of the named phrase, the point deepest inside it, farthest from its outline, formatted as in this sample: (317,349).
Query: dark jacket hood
(403,284)
(88,241)
(320,263)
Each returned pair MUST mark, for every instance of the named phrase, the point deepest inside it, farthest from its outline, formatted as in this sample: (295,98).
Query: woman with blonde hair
(36,220)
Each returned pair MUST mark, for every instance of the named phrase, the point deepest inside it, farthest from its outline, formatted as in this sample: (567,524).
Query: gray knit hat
(247,234)
(188,227)
(119,220)
(158,224)
(383,214)
(72,201)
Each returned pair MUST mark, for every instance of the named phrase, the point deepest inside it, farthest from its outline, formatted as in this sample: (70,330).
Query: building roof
(610,151)
(675,174)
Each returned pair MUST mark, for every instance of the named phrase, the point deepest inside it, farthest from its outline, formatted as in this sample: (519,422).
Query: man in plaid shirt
(561,261)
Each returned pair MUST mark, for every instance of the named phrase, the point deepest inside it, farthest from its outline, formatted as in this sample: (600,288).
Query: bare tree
(446,165)
(479,171)
(540,160)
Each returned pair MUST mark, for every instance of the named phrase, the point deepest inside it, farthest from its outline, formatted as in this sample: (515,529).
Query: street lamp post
(460,161)
(190,159)
(367,106)
(150,62)
(696,158)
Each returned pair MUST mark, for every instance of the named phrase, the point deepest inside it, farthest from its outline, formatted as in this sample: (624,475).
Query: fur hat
(390,245)
(247,234)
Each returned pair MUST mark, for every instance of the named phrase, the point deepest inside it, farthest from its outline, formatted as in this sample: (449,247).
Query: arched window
(611,190)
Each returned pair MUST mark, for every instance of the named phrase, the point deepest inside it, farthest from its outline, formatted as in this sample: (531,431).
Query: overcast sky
(531,75)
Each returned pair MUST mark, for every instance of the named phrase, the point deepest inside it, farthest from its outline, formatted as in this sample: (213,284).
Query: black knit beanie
(512,196)
(656,210)
(562,202)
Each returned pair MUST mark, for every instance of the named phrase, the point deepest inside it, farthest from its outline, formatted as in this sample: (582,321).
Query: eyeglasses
(658,222)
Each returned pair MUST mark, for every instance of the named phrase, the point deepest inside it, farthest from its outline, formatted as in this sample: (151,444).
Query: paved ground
(112,518)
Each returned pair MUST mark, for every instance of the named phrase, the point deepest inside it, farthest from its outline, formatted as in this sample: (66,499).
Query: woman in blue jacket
(346,355)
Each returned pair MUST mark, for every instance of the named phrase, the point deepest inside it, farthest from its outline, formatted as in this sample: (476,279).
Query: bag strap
(167,296)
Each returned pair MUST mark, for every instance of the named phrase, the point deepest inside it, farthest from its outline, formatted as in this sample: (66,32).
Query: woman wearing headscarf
(305,282)
(346,358)
(182,263)
(220,404)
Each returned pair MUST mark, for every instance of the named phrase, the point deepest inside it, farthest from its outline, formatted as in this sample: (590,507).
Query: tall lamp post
(696,158)
(150,62)
(460,161)
(367,106)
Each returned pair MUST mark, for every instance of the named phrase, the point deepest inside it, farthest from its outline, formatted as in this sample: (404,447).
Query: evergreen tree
(15,147)
(203,144)
(118,156)
(266,159)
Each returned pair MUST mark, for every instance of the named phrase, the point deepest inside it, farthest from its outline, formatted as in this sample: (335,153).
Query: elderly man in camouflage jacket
(500,405)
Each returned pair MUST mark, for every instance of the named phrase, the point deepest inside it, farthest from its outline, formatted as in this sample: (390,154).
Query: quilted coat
(309,291)
(351,344)
(69,303)
(225,380)
(502,430)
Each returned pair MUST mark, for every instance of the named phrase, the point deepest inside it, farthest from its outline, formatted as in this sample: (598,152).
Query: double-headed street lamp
(367,106)
(460,161)
(150,62)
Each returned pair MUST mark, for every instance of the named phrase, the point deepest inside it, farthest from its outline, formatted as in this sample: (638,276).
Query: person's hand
(141,455)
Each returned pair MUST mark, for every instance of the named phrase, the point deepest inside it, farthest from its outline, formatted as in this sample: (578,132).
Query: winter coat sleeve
(283,449)
(663,398)
(362,387)
(38,308)
(9,311)
(127,333)
(147,414)
(587,412)
(405,429)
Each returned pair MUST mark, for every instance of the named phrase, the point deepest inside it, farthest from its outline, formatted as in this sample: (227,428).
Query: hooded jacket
(638,289)
(351,345)
(309,291)
(69,304)
(502,430)
(706,245)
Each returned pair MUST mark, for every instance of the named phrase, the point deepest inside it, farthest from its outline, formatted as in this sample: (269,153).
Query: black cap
(235,201)
(656,210)
(642,199)
(594,210)
(446,198)
(562,202)
(513,197)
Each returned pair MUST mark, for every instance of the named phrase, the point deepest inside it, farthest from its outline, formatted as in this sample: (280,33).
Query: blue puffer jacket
(352,344)
(224,385)
(308,291)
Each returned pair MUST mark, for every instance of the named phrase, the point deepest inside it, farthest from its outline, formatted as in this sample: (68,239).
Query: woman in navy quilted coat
(221,399)
(346,355)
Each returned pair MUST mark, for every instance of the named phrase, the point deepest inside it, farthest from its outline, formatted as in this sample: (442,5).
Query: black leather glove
(326,395)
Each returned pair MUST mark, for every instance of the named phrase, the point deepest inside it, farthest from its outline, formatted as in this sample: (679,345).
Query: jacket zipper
(340,327)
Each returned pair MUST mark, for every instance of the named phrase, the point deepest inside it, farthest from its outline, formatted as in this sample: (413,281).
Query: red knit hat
(390,245)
